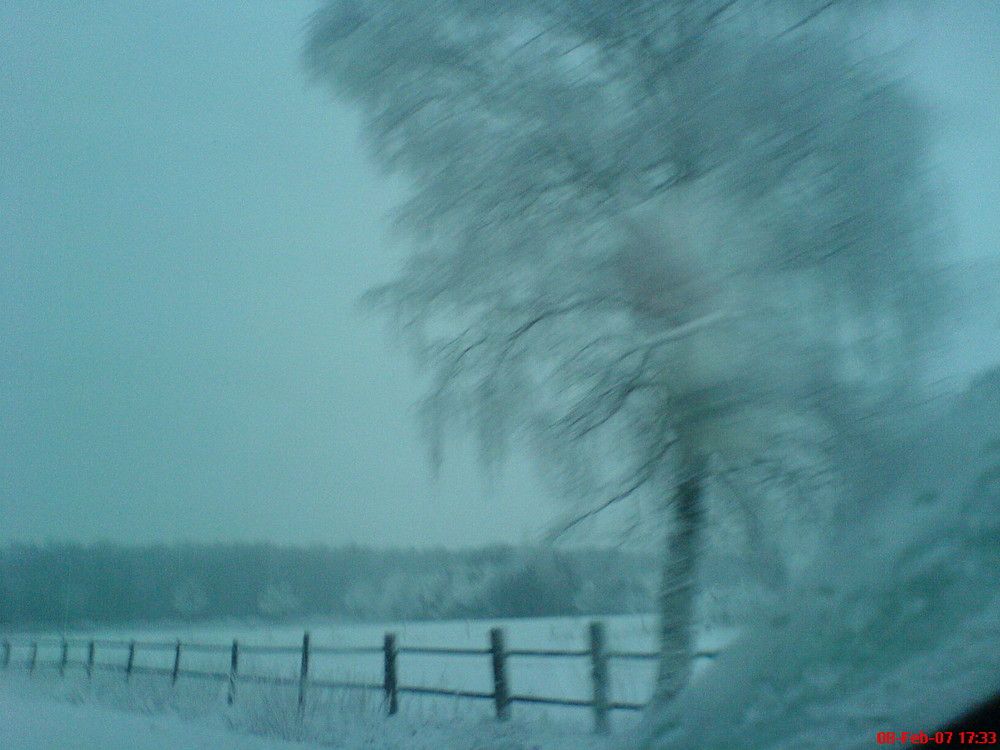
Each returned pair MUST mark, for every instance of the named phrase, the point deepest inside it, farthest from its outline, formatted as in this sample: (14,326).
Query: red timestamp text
(938,738)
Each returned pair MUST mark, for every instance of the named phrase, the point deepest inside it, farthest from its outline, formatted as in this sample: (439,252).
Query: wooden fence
(598,655)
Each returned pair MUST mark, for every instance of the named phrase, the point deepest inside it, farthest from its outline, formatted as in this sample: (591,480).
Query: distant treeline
(69,584)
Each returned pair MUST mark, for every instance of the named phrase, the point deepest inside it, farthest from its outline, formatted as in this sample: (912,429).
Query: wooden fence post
(6,653)
(34,657)
(63,658)
(599,674)
(177,664)
(131,660)
(389,683)
(304,674)
(91,648)
(501,696)
(234,660)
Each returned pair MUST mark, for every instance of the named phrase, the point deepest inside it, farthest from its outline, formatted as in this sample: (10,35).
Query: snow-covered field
(356,719)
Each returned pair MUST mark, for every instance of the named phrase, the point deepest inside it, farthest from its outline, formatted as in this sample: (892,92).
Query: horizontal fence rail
(24,654)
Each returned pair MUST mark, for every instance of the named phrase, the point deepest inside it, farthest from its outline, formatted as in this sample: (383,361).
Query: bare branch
(682,331)
(809,17)
(642,476)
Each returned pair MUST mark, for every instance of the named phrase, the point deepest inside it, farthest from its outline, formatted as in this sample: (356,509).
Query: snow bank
(895,628)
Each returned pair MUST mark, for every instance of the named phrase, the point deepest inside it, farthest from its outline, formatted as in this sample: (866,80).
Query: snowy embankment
(895,628)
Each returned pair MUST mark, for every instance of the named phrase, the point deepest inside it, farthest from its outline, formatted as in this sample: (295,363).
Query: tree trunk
(678,585)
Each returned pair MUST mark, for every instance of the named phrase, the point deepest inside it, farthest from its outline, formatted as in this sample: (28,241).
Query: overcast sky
(185,228)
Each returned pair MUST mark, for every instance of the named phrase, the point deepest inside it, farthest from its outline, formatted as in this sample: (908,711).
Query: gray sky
(185,226)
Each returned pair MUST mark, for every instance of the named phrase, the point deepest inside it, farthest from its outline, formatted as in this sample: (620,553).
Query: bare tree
(655,240)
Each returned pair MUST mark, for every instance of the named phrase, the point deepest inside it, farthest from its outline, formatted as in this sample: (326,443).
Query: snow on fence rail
(597,653)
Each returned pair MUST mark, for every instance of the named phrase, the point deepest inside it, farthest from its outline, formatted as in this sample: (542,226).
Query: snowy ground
(46,712)
(341,719)
(568,678)
(35,723)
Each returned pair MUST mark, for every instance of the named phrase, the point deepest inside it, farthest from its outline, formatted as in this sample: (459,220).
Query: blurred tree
(539,583)
(189,598)
(658,240)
